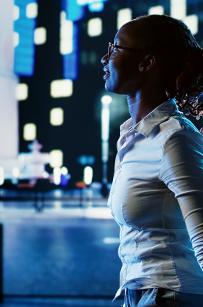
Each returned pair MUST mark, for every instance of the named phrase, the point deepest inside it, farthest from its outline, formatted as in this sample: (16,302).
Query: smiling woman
(157,191)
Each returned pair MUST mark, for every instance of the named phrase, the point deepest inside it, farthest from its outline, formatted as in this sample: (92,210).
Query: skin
(136,74)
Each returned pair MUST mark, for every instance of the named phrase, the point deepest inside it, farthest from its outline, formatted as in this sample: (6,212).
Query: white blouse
(157,199)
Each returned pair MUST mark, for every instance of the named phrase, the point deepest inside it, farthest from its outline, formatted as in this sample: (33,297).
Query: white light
(29,132)
(179,11)
(96,7)
(94,27)
(105,119)
(16,12)
(64,171)
(57,175)
(56,158)
(2,178)
(178,8)
(32,10)
(111,240)
(56,116)
(40,36)
(61,88)
(66,34)
(192,22)
(16,172)
(124,15)
(21,91)
(158,9)
(16,39)
(88,175)
(84,2)
(106,99)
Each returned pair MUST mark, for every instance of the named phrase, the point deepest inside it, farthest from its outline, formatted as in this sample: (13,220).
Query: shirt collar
(152,119)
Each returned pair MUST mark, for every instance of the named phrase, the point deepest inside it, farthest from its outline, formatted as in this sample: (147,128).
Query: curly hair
(181,57)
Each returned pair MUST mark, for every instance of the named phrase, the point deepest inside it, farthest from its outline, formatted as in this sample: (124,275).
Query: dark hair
(182,59)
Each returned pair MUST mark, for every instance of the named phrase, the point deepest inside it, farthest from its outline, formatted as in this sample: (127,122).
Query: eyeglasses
(112,47)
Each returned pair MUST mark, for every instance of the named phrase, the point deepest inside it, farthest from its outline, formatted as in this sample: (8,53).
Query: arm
(182,172)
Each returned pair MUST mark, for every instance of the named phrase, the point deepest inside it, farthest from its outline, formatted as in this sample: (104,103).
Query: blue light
(89,2)
(70,66)
(70,61)
(24,52)
(73,11)
(96,7)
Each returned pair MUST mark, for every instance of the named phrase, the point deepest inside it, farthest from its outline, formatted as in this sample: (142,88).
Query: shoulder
(182,153)
(179,130)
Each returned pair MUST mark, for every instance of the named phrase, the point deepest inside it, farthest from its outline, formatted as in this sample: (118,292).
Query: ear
(147,63)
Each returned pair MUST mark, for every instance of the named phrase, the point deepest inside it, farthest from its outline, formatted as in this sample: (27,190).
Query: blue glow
(96,7)
(24,52)
(73,11)
(70,66)
(89,2)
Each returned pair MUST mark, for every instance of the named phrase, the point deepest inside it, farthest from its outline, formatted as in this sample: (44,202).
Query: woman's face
(121,66)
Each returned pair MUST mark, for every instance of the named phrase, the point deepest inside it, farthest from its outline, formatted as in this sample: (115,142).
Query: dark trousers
(155,297)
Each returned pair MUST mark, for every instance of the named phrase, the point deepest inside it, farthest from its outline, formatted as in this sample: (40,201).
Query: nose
(104,59)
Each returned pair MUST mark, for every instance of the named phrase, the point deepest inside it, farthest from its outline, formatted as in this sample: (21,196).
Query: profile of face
(122,64)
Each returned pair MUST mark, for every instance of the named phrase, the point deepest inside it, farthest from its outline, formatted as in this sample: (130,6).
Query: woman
(157,191)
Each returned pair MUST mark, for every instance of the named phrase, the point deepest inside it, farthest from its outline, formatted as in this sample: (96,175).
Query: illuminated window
(66,34)
(89,2)
(56,116)
(2,175)
(40,36)
(32,10)
(56,158)
(178,8)
(94,27)
(16,12)
(21,91)
(192,23)
(61,88)
(179,11)
(16,39)
(29,132)
(124,15)
(24,52)
(96,7)
(158,9)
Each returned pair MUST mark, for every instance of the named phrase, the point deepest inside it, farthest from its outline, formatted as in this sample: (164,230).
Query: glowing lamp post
(105,120)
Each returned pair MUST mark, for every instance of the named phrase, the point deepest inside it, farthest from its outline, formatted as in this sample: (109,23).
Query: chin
(112,87)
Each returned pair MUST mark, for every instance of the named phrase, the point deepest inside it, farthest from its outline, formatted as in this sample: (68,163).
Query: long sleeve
(182,172)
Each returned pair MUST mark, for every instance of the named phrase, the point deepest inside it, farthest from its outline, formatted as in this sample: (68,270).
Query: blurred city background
(58,133)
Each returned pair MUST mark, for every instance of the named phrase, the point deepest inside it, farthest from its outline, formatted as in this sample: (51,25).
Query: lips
(106,76)
(107,73)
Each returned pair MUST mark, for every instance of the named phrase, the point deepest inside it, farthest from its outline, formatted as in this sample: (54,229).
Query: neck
(140,105)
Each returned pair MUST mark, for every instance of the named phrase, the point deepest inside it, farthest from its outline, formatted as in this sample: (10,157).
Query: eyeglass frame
(111,47)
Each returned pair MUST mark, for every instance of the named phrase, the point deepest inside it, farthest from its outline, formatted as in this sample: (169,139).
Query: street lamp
(105,121)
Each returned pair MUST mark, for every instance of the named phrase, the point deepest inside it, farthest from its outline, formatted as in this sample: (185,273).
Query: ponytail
(189,85)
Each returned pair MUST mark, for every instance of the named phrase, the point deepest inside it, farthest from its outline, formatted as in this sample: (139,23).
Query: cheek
(123,76)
